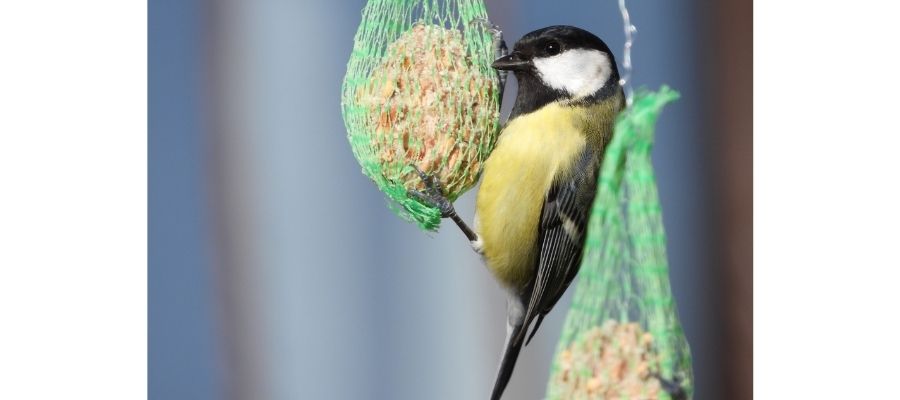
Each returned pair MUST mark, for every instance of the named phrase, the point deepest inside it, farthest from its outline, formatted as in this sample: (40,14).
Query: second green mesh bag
(622,338)
(420,92)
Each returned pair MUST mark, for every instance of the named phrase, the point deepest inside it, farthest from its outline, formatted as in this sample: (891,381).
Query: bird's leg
(434,195)
(673,387)
(500,50)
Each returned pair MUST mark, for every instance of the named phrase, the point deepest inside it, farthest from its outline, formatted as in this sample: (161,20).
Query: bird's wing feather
(561,235)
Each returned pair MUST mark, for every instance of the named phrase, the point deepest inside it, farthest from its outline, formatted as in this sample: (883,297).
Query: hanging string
(630,33)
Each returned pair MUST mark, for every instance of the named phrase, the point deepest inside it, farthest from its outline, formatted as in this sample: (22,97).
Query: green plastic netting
(622,332)
(420,91)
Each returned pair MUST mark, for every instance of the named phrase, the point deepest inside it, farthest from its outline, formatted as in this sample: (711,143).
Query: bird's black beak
(511,62)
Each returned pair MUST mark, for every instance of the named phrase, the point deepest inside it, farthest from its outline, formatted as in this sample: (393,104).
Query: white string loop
(630,34)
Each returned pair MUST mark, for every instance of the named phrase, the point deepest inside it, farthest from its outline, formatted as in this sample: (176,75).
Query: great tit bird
(539,182)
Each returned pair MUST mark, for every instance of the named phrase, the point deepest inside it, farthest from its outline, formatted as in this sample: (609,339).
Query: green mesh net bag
(622,338)
(420,92)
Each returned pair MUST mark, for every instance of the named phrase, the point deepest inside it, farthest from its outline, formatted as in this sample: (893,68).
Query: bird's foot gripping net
(622,338)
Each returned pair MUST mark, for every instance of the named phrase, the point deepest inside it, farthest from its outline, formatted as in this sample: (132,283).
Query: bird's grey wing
(561,236)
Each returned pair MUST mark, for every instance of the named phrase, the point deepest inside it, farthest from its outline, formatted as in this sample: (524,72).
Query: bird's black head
(560,63)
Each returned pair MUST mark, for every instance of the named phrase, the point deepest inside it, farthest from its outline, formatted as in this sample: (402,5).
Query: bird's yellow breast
(533,150)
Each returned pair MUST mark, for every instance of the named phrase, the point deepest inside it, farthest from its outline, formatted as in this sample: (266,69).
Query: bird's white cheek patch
(580,72)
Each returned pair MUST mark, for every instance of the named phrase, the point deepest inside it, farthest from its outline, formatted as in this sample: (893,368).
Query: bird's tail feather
(514,341)
(534,330)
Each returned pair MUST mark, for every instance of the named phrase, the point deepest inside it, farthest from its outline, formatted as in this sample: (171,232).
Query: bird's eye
(552,48)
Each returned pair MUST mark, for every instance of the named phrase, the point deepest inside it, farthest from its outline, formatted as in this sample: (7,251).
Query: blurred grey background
(277,271)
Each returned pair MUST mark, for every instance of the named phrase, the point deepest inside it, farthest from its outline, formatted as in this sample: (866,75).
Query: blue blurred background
(276,270)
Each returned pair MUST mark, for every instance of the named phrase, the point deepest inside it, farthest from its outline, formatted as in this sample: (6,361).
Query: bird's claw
(500,49)
(433,194)
(673,387)
(487,25)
